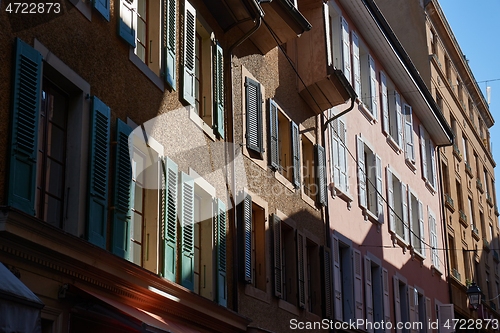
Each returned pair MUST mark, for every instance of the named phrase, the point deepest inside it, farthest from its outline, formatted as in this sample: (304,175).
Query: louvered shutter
(219,90)
(405,204)
(346,49)
(380,201)
(301,268)
(328,41)
(189,70)
(386,299)
(337,280)
(373,87)
(433,177)
(102,7)
(253,116)
(247,238)
(358,284)
(296,155)
(220,243)
(335,158)
(428,310)
(186,218)
(423,152)
(446,316)
(25,116)
(128,21)
(409,150)
(397,301)
(390,201)
(273,134)
(384,101)
(356,64)
(321,174)
(327,282)
(369,293)
(169,215)
(171,43)
(278,281)
(343,156)
(399,119)
(411,301)
(421,227)
(123,197)
(413,237)
(361,172)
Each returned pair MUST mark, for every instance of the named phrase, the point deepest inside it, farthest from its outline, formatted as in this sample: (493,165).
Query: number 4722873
(33,8)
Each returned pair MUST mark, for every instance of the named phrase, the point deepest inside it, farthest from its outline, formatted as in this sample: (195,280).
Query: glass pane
(141,31)
(138,164)
(57,113)
(55,142)
(54,178)
(141,8)
(141,52)
(53,211)
(138,197)
(135,253)
(137,228)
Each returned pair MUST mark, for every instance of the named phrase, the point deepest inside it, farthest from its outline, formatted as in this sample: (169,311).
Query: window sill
(83,7)
(289,307)
(418,255)
(369,215)
(366,112)
(336,192)
(393,144)
(307,199)
(436,270)
(430,187)
(411,165)
(158,81)
(256,293)
(283,180)
(201,124)
(396,239)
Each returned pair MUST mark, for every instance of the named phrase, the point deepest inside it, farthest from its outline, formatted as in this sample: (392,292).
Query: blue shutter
(170,49)
(246,237)
(321,174)
(220,243)
(186,217)
(273,134)
(102,7)
(98,173)
(25,116)
(189,76)
(169,217)
(296,154)
(123,197)
(278,277)
(219,90)
(253,116)
(127,21)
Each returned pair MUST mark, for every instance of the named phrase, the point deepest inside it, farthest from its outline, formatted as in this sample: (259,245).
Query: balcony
(462,218)
(457,152)
(475,232)
(489,199)
(456,274)
(486,245)
(479,185)
(468,169)
(448,201)
(496,257)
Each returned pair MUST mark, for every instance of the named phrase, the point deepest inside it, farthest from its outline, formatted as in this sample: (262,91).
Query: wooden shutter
(428,311)
(380,202)
(218,55)
(343,155)
(405,203)
(369,293)
(387,302)
(326,20)
(373,87)
(169,217)
(220,252)
(356,63)
(412,233)
(189,75)
(423,152)
(358,284)
(273,134)
(361,172)
(247,238)
(128,21)
(433,177)
(171,43)
(421,227)
(123,197)
(301,268)
(399,119)
(446,316)
(384,101)
(278,277)
(397,301)
(25,116)
(334,143)
(102,7)
(186,218)
(296,155)
(327,282)
(412,305)
(409,150)
(337,280)
(390,201)
(253,116)
(346,49)
(321,175)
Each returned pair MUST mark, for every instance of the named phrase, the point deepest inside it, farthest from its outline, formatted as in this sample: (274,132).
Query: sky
(476,26)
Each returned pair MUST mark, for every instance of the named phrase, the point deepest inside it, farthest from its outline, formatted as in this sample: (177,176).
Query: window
(478,165)
(465,148)
(471,111)
(447,66)
(398,207)
(486,184)
(401,301)
(369,83)
(391,109)
(428,158)
(308,172)
(356,64)
(453,122)
(434,42)
(416,221)
(460,89)
(375,288)
(446,179)
(340,43)
(471,212)
(433,238)
(439,101)
(465,256)
(338,154)
(313,279)
(460,200)
(408,123)
(453,254)
(369,180)
(285,263)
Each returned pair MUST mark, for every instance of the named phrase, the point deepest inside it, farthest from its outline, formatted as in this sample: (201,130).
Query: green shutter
(171,43)
(98,173)
(220,243)
(253,116)
(186,217)
(127,21)
(278,279)
(273,134)
(321,174)
(123,197)
(245,233)
(219,90)
(296,154)
(27,82)
(189,76)
(169,217)
(102,7)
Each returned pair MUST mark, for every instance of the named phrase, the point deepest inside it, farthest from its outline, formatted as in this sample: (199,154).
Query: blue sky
(476,26)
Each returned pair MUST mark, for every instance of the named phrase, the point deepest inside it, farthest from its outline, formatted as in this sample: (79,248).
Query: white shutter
(380,202)
(358,284)
(421,227)
(428,311)
(361,172)
(326,17)
(387,300)
(373,87)
(384,101)
(399,119)
(337,280)
(390,201)
(416,307)
(412,238)
(346,50)
(446,316)
(342,155)
(423,152)
(433,163)
(356,63)
(405,212)
(411,301)
(409,151)
(369,292)
(334,164)
(397,301)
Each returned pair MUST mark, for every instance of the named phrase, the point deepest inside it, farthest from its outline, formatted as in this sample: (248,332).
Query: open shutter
(356,64)
(397,301)
(321,174)
(326,20)
(387,301)
(433,177)
(247,238)
(189,75)
(409,150)
(413,237)
(218,90)
(412,305)
(346,49)
(273,134)
(373,87)
(97,217)
(171,43)
(25,115)
(361,172)
(405,213)
(169,214)
(337,280)
(384,101)
(399,119)
(278,282)
(102,7)
(301,268)
(296,155)
(380,201)
(334,143)
(428,310)
(390,201)
(253,116)
(369,293)
(423,152)
(358,284)
(446,316)
(186,217)
(421,227)
(327,282)
(128,21)
(123,192)
(220,243)
(342,155)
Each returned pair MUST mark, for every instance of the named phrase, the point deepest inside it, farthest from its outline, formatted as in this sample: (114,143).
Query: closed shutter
(369,293)
(380,201)
(446,316)
(399,119)
(397,302)
(171,43)
(301,268)
(361,172)
(327,283)
(25,116)
(423,152)
(337,280)
(321,174)
(387,302)
(405,204)
(296,155)
(169,216)
(421,227)
(278,277)
(356,64)
(409,150)
(433,241)
(189,74)
(384,101)
(98,173)
(218,90)
(102,6)
(343,156)
(373,87)
(433,176)
(186,218)
(273,134)
(390,201)
(253,116)
(128,21)
(247,238)
(123,192)
(346,50)
(358,284)
(220,243)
